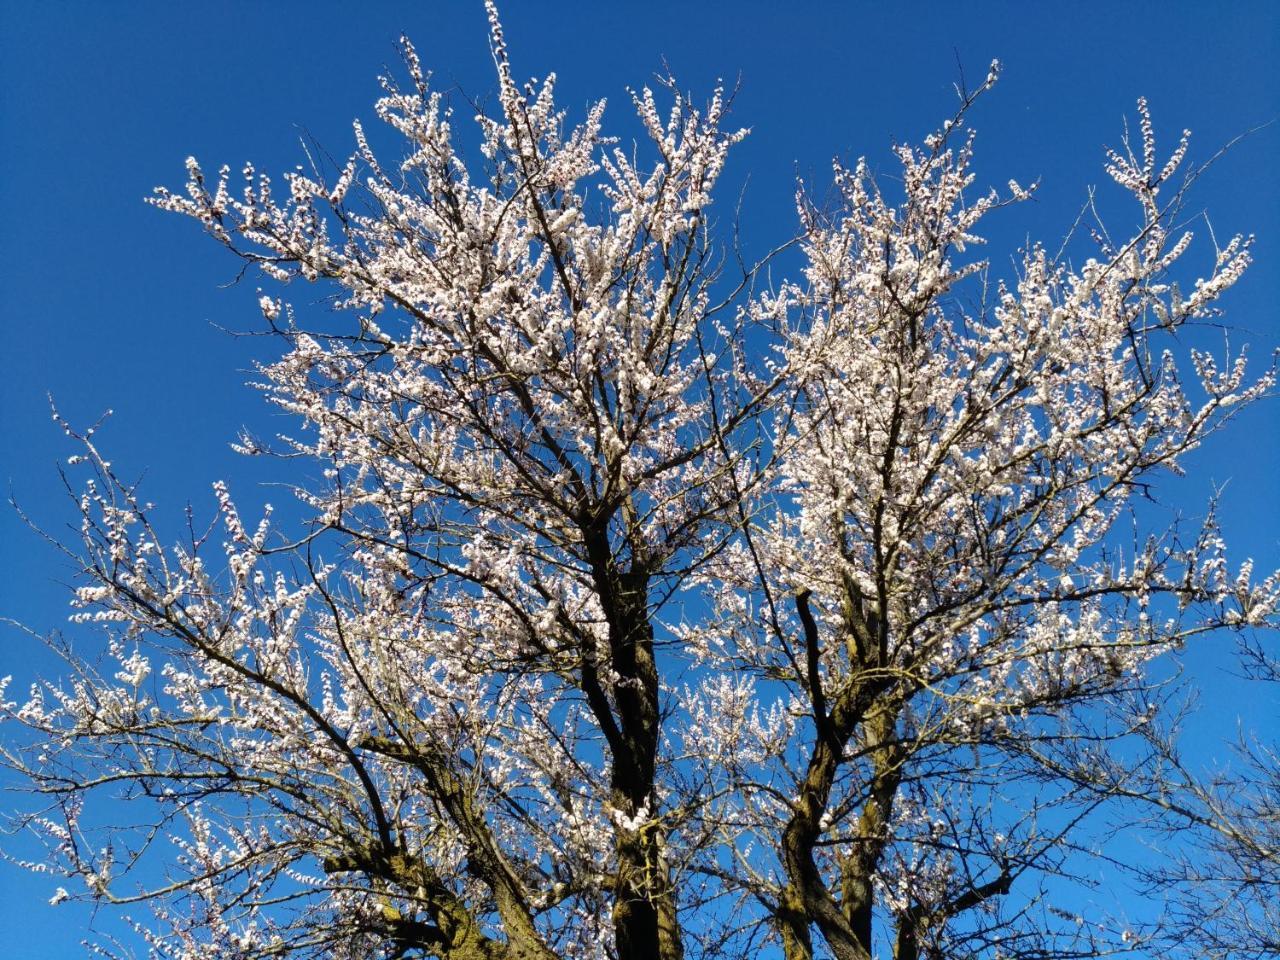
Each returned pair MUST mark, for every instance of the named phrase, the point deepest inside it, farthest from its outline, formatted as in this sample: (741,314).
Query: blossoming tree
(645,610)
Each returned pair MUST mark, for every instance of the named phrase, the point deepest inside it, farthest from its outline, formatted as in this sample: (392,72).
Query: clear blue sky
(108,303)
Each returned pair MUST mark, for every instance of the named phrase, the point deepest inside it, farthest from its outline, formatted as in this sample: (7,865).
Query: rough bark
(646,925)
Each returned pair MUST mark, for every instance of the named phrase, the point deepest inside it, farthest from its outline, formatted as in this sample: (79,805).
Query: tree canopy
(651,605)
